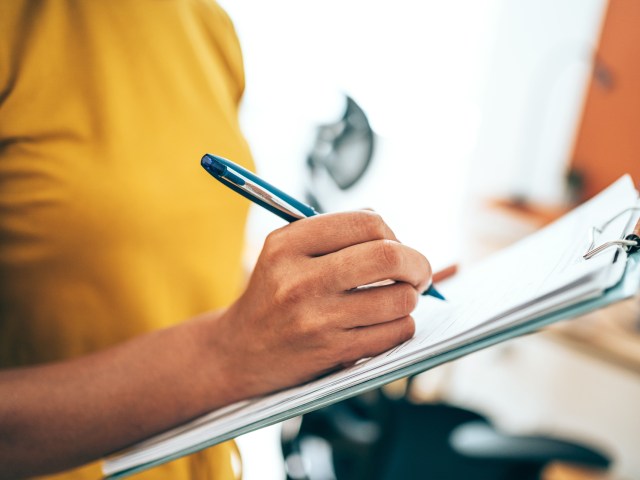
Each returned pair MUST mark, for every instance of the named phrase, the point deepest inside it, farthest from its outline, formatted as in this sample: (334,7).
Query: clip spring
(630,243)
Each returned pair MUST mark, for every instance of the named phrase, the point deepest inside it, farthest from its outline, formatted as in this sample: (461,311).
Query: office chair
(373,437)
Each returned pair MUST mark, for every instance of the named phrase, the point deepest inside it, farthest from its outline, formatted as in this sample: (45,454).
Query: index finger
(331,232)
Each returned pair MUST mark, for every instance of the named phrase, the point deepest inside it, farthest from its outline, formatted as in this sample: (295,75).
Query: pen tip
(434,293)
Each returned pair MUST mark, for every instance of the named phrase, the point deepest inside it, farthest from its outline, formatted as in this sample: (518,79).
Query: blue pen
(257,190)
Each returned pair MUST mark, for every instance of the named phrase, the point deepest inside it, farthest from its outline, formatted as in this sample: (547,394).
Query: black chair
(375,438)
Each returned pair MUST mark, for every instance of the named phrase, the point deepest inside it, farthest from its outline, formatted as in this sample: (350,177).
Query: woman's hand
(303,314)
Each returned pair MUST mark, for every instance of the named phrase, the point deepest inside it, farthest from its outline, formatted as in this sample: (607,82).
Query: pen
(251,186)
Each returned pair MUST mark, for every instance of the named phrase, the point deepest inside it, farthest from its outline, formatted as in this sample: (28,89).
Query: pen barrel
(279,203)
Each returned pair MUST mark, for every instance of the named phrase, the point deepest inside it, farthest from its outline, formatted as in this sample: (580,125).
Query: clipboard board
(627,286)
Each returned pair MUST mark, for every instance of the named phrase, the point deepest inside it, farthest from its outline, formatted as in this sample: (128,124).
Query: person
(113,242)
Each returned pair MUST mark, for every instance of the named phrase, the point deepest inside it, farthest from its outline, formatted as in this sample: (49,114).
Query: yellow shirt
(109,227)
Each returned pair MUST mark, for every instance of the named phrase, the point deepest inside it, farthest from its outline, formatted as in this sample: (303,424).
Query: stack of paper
(543,275)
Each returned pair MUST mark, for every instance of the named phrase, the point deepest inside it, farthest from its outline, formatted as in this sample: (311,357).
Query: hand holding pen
(301,314)
(266,195)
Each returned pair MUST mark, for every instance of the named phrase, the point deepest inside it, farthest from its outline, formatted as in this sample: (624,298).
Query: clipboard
(627,286)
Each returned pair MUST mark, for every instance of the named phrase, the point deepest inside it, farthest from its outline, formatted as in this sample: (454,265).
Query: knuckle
(280,296)
(428,269)
(344,345)
(407,299)
(286,293)
(373,224)
(366,224)
(275,244)
(407,328)
(351,352)
(306,331)
(389,255)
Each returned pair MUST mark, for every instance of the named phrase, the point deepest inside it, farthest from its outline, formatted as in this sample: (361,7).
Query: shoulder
(220,29)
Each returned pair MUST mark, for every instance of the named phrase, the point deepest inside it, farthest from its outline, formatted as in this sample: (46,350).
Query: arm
(57,416)
(299,317)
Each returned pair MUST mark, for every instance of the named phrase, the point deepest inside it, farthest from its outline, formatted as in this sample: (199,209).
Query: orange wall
(608,139)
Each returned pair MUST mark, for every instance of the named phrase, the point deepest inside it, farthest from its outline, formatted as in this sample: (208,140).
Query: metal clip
(629,244)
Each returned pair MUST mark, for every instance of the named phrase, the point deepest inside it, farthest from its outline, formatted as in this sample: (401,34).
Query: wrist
(217,376)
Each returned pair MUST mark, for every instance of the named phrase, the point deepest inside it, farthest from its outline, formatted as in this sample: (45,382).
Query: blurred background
(467,124)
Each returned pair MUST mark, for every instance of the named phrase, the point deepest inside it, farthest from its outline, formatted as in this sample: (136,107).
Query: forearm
(57,416)
(301,315)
